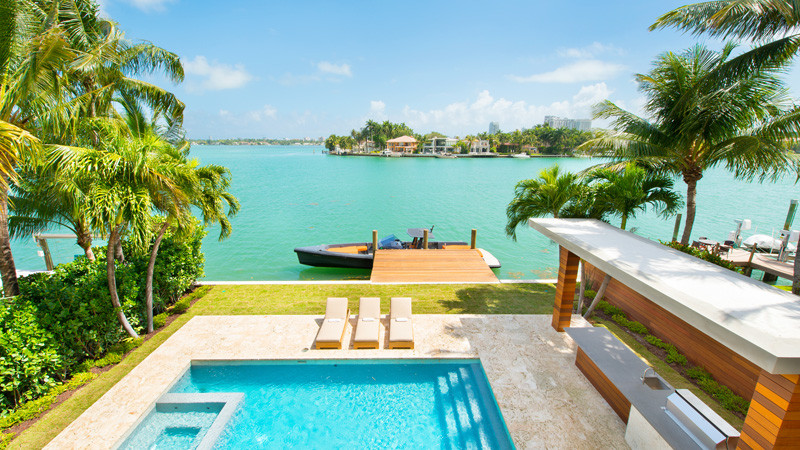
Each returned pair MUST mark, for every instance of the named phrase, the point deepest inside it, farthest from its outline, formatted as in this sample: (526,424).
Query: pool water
(171,430)
(354,404)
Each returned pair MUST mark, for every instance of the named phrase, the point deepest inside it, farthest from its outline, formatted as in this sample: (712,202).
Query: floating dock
(431,266)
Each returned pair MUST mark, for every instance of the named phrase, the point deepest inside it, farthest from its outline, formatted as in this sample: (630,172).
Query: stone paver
(545,400)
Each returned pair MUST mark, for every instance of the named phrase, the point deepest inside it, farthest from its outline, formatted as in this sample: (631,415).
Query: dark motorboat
(359,255)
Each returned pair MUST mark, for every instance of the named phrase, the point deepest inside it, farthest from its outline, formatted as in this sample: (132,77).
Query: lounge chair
(368,325)
(331,332)
(401,328)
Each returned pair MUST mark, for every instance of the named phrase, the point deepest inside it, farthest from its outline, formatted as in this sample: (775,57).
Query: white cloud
(150,5)
(589,95)
(335,69)
(260,115)
(377,106)
(215,76)
(577,72)
(590,51)
(472,117)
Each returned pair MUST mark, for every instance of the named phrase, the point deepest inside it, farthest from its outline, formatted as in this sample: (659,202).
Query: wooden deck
(431,266)
(763,262)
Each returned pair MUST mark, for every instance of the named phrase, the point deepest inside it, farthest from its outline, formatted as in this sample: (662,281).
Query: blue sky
(299,68)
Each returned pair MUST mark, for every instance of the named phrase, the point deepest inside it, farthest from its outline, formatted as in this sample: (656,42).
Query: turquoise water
(171,430)
(296,196)
(349,404)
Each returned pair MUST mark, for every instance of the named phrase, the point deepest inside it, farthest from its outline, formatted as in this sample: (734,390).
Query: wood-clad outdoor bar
(746,333)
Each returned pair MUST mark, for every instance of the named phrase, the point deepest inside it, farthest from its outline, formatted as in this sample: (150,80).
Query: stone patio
(546,402)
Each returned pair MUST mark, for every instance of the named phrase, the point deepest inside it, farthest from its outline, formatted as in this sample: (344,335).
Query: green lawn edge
(669,374)
(291,299)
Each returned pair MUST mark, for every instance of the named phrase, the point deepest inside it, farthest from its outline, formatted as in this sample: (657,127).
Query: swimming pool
(354,403)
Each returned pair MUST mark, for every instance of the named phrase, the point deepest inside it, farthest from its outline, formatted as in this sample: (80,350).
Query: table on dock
(431,266)
(764,262)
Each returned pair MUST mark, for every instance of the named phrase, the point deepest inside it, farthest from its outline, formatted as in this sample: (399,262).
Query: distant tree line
(549,141)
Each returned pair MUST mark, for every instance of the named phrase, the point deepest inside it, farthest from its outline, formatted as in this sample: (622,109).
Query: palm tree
(772,23)
(205,188)
(695,125)
(554,193)
(631,190)
(32,54)
(125,180)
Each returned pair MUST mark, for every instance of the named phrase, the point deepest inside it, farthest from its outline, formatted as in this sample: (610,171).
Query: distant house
(366,147)
(402,144)
(479,146)
(440,145)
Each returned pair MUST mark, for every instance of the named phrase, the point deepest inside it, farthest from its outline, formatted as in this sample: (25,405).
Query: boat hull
(322,256)
(356,256)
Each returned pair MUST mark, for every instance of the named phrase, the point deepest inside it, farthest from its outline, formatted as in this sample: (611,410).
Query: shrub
(160,320)
(702,254)
(590,294)
(674,357)
(654,341)
(181,305)
(32,409)
(697,373)
(62,321)
(637,327)
(609,309)
(30,363)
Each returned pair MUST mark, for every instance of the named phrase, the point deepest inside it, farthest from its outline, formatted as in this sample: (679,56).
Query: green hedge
(726,398)
(702,254)
(61,320)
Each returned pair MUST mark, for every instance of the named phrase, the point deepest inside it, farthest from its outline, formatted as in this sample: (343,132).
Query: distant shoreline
(454,156)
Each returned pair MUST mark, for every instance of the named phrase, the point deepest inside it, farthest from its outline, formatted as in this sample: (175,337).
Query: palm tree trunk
(113,237)
(691,207)
(796,278)
(85,242)
(598,296)
(624,221)
(7,268)
(148,288)
(582,290)
(118,253)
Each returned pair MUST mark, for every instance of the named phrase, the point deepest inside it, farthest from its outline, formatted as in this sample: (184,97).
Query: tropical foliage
(86,145)
(698,120)
(599,194)
(63,319)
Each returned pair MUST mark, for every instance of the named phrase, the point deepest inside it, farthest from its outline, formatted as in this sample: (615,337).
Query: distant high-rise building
(575,124)
(494,127)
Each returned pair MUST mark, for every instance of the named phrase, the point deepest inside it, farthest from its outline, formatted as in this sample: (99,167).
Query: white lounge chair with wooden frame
(401,327)
(368,325)
(331,332)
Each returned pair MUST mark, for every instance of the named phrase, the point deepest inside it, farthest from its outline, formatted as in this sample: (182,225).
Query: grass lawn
(428,298)
(296,299)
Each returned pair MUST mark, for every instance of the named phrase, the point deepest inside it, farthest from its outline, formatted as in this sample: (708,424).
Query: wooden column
(565,289)
(773,421)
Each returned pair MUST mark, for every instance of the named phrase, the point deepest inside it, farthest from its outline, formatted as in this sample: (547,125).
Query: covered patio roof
(751,318)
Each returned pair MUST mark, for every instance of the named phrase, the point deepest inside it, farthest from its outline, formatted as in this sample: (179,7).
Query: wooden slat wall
(773,421)
(727,366)
(565,289)
(604,386)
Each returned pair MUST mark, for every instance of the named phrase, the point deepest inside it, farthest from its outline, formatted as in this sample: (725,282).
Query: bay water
(294,196)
